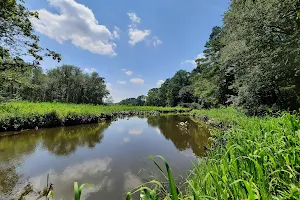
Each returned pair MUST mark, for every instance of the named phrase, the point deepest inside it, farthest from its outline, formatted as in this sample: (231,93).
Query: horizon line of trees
(139,101)
(67,84)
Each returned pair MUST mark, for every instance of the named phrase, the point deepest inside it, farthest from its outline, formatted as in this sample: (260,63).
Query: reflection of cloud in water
(188,153)
(131,181)
(120,129)
(157,131)
(105,182)
(63,182)
(135,131)
(126,140)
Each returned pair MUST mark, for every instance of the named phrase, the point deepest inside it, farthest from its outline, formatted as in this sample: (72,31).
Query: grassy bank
(25,115)
(258,158)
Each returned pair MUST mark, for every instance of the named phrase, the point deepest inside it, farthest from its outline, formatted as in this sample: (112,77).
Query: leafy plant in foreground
(77,191)
(158,192)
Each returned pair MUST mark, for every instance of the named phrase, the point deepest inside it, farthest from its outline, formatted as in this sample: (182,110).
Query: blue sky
(133,44)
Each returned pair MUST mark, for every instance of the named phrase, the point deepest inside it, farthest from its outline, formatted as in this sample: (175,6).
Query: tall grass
(26,115)
(259,160)
(63,109)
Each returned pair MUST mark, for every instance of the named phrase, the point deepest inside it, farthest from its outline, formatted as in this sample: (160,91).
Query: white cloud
(155,41)
(136,35)
(133,17)
(128,73)
(135,131)
(123,70)
(116,33)
(192,62)
(89,70)
(110,88)
(201,55)
(76,23)
(160,82)
(137,81)
(122,82)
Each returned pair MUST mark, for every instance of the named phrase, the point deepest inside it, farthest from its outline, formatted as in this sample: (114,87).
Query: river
(111,156)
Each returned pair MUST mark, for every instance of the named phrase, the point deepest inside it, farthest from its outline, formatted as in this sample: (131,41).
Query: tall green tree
(261,46)
(17,37)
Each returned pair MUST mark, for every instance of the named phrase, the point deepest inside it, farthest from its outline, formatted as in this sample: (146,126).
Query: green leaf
(50,194)
(171,180)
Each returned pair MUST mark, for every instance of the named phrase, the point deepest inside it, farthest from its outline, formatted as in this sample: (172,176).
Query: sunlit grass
(63,109)
(260,159)
(26,115)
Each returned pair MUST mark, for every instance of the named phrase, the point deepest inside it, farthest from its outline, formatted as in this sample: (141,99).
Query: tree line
(139,101)
(20,80)
(62,84)
(252,61)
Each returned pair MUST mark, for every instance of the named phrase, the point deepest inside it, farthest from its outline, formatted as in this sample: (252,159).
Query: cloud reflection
(95,171)
(135,131)
(126,140)
(131,181)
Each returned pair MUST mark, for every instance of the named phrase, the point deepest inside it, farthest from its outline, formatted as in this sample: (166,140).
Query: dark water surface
(110,156)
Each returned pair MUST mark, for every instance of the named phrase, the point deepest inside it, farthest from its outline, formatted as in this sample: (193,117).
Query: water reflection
(59,141)
(191,135)
(135,131)
(109,156)
(12,151)
(95,171)
(64,141)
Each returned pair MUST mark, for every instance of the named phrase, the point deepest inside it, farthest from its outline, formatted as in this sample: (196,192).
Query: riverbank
(252,158)
(17,116)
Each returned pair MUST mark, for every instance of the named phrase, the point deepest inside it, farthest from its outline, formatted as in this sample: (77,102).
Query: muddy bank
(209,121)
(52,119)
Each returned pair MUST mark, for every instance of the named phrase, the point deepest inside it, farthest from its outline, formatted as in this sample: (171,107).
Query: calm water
(111,156)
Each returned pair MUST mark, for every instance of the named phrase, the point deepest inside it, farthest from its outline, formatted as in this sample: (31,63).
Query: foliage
(19,115)
(62,84)
(256,159)
(139,101)
(172,92)
(77,191)
(17,37)
(252,61)
(261,47)
(18,40)
(150,193)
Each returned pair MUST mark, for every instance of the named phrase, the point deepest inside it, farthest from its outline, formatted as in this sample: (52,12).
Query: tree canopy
(139,101)
(252,61)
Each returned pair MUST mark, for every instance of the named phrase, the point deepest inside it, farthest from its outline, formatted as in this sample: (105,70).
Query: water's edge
(50,120)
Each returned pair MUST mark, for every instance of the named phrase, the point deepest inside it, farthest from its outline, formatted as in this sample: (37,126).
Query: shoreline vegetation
(249,157)
(253,158)
(17,116)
